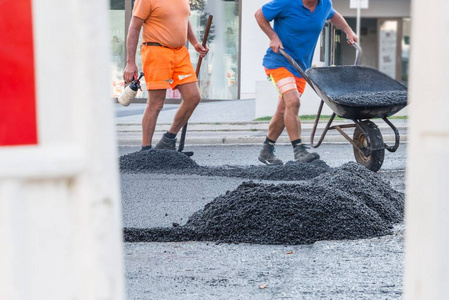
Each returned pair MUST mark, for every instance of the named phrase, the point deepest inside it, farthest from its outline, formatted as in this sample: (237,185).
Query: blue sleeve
(273,9)
(331,11)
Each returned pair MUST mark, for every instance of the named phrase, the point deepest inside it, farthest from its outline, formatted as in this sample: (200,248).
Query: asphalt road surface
(360,269)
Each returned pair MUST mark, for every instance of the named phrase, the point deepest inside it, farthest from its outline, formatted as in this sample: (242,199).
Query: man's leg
(190,98)
(275,129)
(277,121)
(291,119)
(293,125)
(155,103)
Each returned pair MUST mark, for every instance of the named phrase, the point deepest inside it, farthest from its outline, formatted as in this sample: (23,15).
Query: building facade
(237,45)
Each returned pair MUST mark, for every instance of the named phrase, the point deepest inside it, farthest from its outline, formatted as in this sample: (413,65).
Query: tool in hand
(129,93)
(197,72)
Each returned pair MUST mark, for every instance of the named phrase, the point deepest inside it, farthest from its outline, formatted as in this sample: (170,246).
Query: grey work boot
(146,148)
(166,143)
(302,155)
(267,155)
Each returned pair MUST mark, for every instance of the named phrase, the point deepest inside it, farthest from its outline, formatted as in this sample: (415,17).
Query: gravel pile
(155,160)
(372,99)
(290,171)
(349,202)
(163,161)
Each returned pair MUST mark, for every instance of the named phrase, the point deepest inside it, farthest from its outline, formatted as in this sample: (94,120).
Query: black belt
(154,44)
(158,45)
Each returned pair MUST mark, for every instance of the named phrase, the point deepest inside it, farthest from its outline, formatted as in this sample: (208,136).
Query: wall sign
(388,47)
(354,4)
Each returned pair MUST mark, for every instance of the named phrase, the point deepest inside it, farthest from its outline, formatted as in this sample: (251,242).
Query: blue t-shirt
(298,28)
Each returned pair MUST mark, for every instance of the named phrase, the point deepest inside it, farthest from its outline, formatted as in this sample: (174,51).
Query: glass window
(219,72)
(117,37)
(406,32)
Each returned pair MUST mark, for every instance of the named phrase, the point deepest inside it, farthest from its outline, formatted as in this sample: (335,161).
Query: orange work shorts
(166,68)
(286,81)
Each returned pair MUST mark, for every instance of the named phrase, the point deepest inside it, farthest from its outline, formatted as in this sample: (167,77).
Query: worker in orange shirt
(165,62)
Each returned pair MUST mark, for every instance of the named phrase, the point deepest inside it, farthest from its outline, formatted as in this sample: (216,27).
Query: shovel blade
(188,153)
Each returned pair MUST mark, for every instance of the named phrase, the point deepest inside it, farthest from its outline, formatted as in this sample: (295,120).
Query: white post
(427,202)
(60,215)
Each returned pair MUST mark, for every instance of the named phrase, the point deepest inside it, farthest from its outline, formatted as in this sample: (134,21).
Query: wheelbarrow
(357,93)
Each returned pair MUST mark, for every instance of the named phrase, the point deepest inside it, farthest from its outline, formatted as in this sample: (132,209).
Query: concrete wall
(377,8)
(254,44)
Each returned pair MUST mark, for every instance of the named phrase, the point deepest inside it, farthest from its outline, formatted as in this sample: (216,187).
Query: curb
(196,141)
(246,133)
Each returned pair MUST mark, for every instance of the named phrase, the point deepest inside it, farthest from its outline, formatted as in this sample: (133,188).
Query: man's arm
(275,42)
(194,41)
(131,47)
(341,23)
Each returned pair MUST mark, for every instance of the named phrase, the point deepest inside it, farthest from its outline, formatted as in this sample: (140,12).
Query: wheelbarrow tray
(358,92)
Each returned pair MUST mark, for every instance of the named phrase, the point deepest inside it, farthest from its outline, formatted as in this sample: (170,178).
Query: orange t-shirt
(166,21)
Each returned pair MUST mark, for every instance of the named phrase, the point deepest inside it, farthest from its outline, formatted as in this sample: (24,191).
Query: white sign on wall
(355,4)
(388,48)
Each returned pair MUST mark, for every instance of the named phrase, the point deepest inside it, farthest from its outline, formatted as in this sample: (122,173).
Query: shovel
(197,72)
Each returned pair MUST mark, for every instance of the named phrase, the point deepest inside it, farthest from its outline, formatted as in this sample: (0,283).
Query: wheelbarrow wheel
(375,159)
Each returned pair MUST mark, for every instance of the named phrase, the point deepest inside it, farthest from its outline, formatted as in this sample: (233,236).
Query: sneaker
(267,155)
(145,148)
(166,143)
(302,155)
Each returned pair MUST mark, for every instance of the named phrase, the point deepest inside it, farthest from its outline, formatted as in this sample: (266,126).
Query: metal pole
(327,45)
(359,12)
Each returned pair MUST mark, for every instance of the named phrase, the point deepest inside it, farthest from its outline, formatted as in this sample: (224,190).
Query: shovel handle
(204,43)
(197,72)
(295,65)
(358,54)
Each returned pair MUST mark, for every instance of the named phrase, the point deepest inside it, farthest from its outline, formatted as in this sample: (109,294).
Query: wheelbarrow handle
(358,54)
(294,63)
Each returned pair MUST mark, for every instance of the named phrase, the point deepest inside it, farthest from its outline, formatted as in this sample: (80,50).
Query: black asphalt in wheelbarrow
(358,93)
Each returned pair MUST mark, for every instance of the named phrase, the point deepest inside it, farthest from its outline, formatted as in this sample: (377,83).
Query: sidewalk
(229,122)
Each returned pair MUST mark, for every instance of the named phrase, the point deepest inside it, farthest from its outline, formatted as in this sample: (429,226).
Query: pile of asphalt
(290,171)
(349,202)
(163,161)
(372,99)
(155,160)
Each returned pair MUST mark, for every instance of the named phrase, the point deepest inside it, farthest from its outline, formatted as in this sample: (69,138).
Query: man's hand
(351,37)
(201,49)
(341,23)
(275,44)
(130,71)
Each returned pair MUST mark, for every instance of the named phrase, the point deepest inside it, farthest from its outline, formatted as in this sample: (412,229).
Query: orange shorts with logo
(166,68)
(286,81)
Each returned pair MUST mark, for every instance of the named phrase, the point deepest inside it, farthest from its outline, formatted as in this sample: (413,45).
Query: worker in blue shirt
(296,28)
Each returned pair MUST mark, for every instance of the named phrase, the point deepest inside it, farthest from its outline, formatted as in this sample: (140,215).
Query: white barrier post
(60,214)
(427,202)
